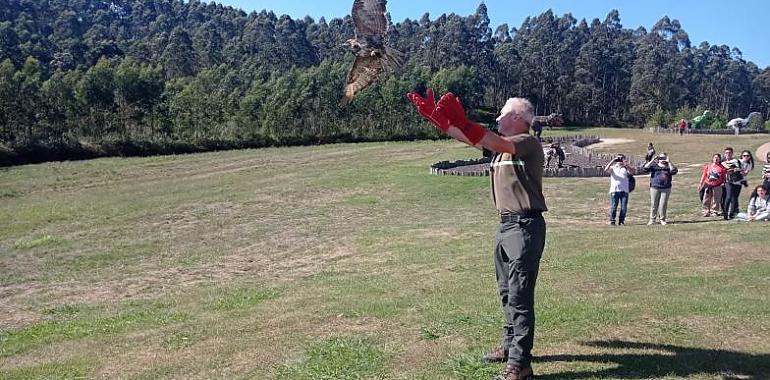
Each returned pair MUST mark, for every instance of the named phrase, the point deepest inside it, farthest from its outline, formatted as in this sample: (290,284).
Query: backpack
(631,183)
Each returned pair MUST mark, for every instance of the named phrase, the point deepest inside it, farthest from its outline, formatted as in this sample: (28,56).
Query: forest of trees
(81,78)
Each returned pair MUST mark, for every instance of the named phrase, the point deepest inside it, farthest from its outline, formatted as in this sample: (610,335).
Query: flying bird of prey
(368,45)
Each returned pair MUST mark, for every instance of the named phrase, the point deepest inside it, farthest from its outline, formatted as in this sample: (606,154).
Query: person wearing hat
(661,172)
(516,173)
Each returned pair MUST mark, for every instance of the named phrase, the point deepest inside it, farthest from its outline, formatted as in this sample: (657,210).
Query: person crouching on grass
(759,206)
(619,172)
(517,193)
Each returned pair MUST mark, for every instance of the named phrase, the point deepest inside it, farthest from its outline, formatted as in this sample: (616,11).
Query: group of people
(622,182)
(720,186)
(722,182)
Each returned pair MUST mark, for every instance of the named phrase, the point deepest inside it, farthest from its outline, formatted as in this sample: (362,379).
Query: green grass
(74,324)
(340,358)
(239,299)
(42,241)
(77,370)
(352,262)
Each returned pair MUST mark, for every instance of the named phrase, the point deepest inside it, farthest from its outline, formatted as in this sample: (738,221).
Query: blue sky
(737,23)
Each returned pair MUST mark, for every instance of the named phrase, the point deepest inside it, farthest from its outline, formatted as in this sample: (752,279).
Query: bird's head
(353,44)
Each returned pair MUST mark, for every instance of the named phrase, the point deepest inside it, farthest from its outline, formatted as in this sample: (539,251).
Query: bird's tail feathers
(346,99)
(392,59)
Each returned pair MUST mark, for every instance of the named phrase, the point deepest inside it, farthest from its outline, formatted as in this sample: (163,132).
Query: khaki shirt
(517,180)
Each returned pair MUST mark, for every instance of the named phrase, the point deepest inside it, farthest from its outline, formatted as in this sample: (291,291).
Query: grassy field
(352,262)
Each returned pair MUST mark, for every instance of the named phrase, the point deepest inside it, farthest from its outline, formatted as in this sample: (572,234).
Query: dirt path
(610,141)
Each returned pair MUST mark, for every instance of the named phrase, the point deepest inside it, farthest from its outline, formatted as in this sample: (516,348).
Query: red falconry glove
(449,106)
(426,107)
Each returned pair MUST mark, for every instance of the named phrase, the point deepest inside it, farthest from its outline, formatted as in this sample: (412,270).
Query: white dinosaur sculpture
(739,123)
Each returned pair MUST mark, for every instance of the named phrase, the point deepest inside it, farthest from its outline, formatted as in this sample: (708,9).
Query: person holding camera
(711,182)
(661,172)
(736,180)
(619,172)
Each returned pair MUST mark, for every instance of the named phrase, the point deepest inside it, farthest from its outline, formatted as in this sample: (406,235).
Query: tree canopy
(169,75)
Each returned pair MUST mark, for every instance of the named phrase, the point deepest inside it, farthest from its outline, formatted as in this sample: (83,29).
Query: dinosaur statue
(555,151)
(739,123)
(552,120)
(702,121)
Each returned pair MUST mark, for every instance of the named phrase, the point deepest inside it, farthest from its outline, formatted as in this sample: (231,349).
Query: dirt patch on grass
(278,260)
(741,337)
(702,260)
(266,261)
(13,317)
(420,353)
(609,141)
(202,243)
(434,233)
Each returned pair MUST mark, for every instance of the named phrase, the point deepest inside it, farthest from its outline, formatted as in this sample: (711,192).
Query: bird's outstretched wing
(369,18)
(364,72)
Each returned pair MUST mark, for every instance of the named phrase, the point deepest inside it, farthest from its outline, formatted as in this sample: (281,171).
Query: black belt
(511,217)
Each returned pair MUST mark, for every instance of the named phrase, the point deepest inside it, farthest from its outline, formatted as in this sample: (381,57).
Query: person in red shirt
(711,181)
(682,126)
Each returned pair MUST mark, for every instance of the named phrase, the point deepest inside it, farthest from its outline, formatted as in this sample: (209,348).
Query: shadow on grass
(698,221)
(673,361)
(677,222)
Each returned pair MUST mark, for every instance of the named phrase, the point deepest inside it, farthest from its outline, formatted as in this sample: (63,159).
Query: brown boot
(498,355)
(512,372)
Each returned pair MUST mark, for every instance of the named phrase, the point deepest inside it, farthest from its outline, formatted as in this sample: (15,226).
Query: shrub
(685,112)
(755,123)
(658,119)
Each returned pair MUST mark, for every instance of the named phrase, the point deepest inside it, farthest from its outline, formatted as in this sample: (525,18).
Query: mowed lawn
(352,262)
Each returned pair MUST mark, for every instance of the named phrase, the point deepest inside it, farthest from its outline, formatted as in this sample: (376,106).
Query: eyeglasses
(745,155)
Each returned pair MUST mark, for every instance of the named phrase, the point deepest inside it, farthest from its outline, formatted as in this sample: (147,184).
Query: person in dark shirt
(736,176)
(650,153)
(661,172)
(516,174)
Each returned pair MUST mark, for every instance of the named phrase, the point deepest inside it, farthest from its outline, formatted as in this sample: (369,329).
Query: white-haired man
(516,173)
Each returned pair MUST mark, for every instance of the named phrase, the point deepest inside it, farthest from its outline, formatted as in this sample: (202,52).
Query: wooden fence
(722,131)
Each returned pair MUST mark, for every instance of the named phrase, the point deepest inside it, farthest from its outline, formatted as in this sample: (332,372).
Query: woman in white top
(620,172)
(747,165)
(759,206)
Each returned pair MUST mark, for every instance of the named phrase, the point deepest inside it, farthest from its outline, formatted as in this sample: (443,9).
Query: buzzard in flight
(372,56)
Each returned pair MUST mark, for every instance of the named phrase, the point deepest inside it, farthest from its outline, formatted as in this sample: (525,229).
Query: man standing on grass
(517,193)
(619,171)
(732,184)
